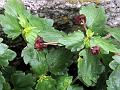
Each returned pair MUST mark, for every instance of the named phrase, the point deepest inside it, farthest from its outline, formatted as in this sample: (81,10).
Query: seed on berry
(95,50)
(80,19)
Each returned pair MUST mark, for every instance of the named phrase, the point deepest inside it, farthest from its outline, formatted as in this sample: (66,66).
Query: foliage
(50,53)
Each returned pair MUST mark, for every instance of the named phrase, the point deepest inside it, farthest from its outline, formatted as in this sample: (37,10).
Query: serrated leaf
(113,82)
(2,81)
(63,82)
(51,34)
(53,60)
(15,8)
(58,60)
(96,18)
(104,44)
(22,81)
(46,83)
(73,41)
(75,88)
(8,72)
(115,63)
(6,55)
(89,68)
(37,59)
(10,26)
(6,86)
(3,48)
(115,32)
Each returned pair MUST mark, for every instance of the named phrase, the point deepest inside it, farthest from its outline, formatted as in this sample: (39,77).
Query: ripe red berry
(80,19)
(39,44)
(95,50)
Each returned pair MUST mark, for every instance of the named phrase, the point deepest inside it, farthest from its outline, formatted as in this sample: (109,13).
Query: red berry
(95,50)
(80,19)
(39,44)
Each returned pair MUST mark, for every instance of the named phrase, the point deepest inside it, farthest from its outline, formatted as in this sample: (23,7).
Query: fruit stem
(51,43)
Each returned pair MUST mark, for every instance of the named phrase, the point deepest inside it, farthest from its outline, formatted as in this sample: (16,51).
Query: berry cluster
(95,50)
(39,43)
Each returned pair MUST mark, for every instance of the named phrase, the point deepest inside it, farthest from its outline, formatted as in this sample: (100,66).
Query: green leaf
(115,32)
(53,60)
(75,88)
(113,82)
(6,86)
(8,72)
(104,44)
(6,55)
(1,40)
(115,63)
(2,81)
(22,81)
(89,68)
(63,82)
(15,8)
(3,48)
(73,41)
(10,26)
(51,34)
(96,18)
(46,83)
(58,60)
(37,59)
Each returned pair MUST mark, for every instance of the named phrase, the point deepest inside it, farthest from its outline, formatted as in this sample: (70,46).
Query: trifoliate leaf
(113,82)
(73,41)
(115,63)
(46,83)
(22,81)
(104,44)
(115,32)
(2,81)
(63,82)
(6,55)
(10,26)
(89,68)
(96,18)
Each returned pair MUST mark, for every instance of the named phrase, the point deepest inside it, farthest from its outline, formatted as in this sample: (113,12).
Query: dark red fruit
(80,19)
(95,50)
(39,44)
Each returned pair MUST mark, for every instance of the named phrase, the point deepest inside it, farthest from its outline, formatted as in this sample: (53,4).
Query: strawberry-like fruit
(80,19)
(95,50)
(39,43)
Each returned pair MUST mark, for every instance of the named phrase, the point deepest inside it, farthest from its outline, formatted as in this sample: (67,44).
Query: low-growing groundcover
(85,59)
